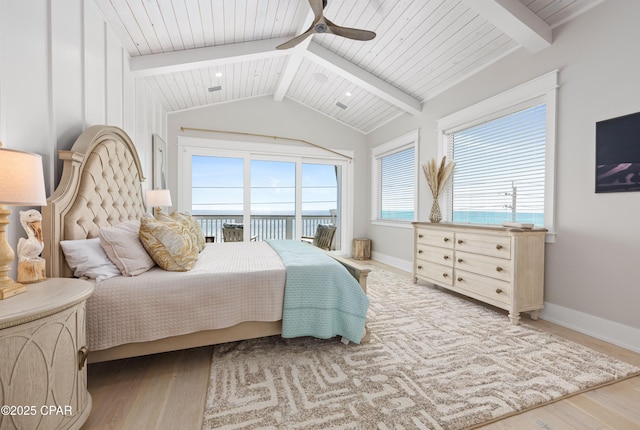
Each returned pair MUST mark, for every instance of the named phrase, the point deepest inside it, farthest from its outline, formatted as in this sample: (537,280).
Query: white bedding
(229,284)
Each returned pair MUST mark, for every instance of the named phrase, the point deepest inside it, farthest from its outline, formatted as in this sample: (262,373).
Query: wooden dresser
(43,376)
(501,266)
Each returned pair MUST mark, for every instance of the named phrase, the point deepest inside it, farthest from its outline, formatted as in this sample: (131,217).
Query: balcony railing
(263,227)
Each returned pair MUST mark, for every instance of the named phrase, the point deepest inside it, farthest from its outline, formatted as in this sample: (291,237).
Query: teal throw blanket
(321,298)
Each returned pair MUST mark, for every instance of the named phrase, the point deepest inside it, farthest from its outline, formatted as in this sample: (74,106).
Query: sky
(217,184)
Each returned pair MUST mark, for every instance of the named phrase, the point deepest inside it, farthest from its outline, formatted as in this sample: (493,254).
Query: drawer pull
(420,236)
(420,267)
(446,239)
(498,246)
(460,279)
(460,260)
(498,290)
(446,257)
(444,275)
(82,357)
(460,241)
(419,251)
(498,269)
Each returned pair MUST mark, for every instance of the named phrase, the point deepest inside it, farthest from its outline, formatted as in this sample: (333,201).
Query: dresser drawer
(436,273)
(496,246)
(494,264)
(439,237)
(434,254)
(493,267)
(491,288)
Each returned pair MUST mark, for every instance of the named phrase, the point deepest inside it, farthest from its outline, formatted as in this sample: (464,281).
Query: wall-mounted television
(618,154)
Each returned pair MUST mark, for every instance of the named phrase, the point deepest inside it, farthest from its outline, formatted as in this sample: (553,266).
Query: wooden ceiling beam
(515,20)
(369,82)
(296,55)
(179,61)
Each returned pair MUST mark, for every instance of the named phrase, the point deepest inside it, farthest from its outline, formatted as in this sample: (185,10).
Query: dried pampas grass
(437,176)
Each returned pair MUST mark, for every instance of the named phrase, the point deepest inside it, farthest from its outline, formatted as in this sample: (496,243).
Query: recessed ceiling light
(348,94)
(320,78)
(218,74)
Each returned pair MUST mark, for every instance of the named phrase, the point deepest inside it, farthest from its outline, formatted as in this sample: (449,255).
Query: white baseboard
(600,328)
(405,265)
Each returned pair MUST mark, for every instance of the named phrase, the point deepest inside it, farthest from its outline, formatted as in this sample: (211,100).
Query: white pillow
(87,259)
(123,247)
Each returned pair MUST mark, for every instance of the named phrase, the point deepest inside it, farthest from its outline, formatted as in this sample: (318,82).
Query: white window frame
(409,140)
(542,89)
(258,148)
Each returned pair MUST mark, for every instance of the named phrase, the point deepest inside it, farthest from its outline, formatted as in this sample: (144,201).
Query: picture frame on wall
(159,163)
(618,154)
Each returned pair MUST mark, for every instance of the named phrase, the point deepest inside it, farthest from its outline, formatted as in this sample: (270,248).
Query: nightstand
(43,373)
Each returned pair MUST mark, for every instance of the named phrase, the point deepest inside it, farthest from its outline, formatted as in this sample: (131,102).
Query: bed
(153,312)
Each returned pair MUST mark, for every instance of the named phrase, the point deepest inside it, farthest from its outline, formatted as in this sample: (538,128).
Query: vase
(435,216)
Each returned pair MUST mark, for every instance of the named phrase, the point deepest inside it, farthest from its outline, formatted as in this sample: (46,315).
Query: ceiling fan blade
(293,42)
(350,33)
(317,7)
(322,25)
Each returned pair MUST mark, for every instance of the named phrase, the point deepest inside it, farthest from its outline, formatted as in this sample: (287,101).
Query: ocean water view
(476,217)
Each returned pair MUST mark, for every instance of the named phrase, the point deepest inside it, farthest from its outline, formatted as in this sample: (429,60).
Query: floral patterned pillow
(169,243)
(193,226)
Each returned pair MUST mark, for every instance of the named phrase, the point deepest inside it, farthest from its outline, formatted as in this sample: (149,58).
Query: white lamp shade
(21,179)
(157,198)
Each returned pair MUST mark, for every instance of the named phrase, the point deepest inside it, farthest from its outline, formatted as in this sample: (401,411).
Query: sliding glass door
(273,199)
(320,199)
(272,196)
(217,186)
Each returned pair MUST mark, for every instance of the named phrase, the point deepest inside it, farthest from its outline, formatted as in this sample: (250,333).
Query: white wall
(62,69)
(592,278)
(285,118)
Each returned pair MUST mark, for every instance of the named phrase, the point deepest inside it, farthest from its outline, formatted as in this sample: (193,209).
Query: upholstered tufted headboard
(100,186)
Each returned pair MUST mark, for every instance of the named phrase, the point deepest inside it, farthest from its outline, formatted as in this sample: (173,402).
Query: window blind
(396,185)
(500,169)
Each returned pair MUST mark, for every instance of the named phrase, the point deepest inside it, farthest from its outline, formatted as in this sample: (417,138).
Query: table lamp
(21,184)
(158,198)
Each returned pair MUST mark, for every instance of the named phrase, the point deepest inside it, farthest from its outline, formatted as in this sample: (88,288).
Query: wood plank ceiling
(182,48)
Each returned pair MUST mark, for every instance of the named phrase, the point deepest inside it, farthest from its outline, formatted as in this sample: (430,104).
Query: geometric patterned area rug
(434,361)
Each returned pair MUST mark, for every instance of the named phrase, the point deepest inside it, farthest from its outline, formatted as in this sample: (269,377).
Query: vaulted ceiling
(187,48)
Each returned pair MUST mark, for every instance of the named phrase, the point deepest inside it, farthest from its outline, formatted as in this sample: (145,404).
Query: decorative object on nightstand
(157,199)
(31,267)
(44,353)
(437,177)
(21,184)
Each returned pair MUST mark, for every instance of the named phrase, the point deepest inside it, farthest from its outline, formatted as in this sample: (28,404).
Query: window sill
(390,223)
(550,237)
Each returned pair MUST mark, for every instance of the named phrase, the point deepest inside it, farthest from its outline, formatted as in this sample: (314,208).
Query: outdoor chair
(234,233)
(323,238)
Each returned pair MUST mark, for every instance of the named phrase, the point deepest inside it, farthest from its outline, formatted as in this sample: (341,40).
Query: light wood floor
(167,392)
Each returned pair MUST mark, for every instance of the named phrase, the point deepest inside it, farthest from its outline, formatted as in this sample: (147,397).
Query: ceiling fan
(323,25)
